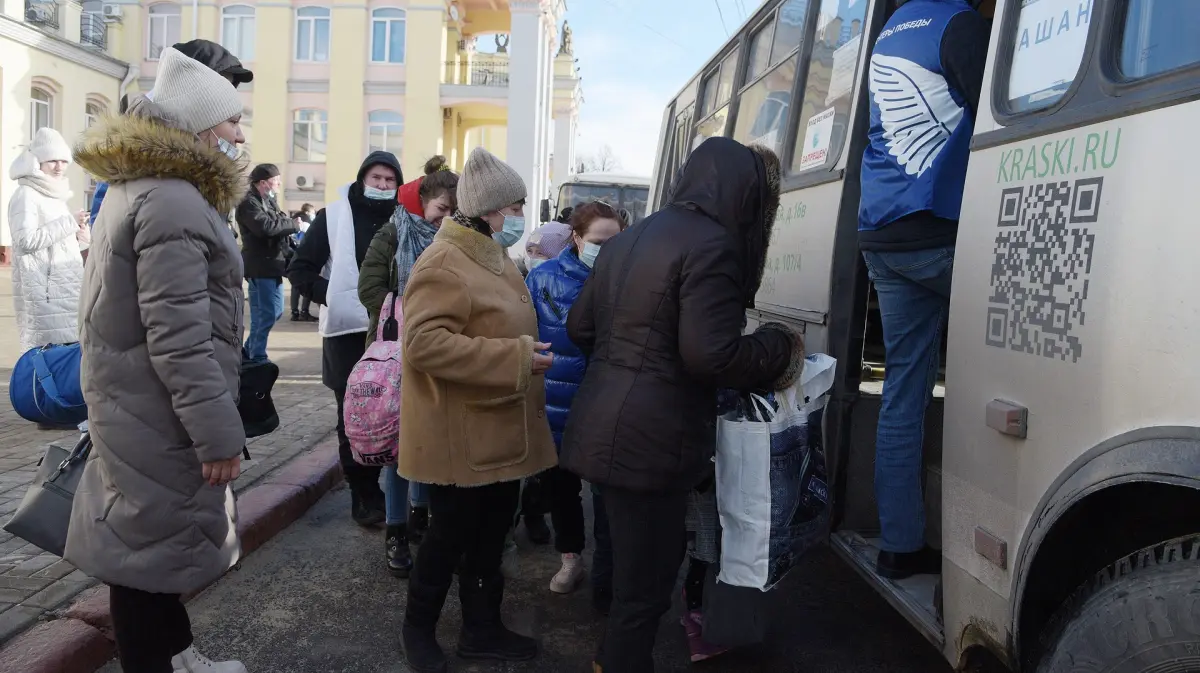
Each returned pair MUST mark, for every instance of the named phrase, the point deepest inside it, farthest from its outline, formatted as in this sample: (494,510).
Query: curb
(80,640)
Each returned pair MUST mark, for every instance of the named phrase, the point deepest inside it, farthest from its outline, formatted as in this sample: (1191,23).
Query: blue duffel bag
(45,386)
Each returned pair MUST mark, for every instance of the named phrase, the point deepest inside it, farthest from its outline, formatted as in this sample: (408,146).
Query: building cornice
(18,31)
(383,88)
(308,86)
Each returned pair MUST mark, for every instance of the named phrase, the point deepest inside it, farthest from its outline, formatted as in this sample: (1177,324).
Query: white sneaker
(569,576)
(191,661)
(508,561)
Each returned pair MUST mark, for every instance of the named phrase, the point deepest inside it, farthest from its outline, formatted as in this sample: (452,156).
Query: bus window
(717,89)
(790,30)
(634,200)
(825,115)
(575,195)
(1047,50)
(760,51)
(1160,35)
(763,108)
(713,126)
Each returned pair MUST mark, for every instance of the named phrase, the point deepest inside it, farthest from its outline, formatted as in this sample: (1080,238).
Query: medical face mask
(588,254)
(378,194)
(514,228)
(227,147)
(535,263)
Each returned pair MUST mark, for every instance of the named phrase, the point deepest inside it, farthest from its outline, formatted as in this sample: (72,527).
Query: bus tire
(1138,615)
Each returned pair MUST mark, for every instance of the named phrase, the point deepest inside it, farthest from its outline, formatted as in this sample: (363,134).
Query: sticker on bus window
(816,140)
(1048,48)
(841,80)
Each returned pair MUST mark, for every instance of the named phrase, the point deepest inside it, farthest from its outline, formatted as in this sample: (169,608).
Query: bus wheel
(1138,615)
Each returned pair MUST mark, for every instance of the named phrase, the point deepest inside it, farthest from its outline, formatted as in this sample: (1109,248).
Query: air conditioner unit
(111,11)
(305,182)
(41,13)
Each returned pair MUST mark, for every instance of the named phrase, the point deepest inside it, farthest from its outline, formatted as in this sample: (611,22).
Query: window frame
(309,124)
(240,20)
(165,19)
(312,33)
(90,119)
(385,125)
(34,103)
(389,24)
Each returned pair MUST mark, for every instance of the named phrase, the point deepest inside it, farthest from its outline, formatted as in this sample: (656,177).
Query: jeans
(266,308)
(648,540)
(399,493)
(300,303)
(470,524)
(602,558)
(566,510)
(914,299)
(149,629)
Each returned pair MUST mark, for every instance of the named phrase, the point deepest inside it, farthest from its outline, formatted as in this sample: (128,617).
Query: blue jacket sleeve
(97,199)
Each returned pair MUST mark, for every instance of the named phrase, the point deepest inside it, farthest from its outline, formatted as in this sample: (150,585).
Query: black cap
(263,172)
(381,158)
(217,58)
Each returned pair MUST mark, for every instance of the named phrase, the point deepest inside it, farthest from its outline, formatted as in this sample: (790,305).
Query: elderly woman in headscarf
(47,239)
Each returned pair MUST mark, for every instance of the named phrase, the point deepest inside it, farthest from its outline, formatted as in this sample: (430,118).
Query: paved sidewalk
(32,582)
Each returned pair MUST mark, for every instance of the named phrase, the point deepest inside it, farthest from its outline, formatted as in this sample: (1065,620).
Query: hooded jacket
(661,319)
(554,286)
(47,266)
(161,335)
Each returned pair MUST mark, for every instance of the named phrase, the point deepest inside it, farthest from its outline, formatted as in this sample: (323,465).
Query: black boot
(899,565)
(536,529)
(418,523)
(399,559)
(366,510)
(421,614)
(484,635)
(421,650)
(295,316)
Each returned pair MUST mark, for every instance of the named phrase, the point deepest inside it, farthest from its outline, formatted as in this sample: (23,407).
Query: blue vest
(916,156)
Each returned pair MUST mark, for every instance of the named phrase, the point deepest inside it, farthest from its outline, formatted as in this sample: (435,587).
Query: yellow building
(333,79)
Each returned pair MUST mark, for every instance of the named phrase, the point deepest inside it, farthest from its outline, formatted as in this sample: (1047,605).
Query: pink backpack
(372,407)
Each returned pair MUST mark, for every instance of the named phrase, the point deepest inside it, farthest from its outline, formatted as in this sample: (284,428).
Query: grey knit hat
(192,94)
(487,184)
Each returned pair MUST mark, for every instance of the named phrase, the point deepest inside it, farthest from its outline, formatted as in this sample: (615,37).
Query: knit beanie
(192,95)
(487,185)
(550,239)
(49,145)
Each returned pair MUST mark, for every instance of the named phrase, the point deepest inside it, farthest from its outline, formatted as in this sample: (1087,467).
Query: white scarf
(55,188)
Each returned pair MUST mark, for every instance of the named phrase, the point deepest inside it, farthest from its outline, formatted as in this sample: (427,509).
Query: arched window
(310,132)
(163,29)
(386,131)
(387,36)
(312,34)
(41,108)
(237,31)
(93,111)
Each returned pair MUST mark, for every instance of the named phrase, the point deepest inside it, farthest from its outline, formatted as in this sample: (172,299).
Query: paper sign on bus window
(1048,47)
(816,140)
(842,78)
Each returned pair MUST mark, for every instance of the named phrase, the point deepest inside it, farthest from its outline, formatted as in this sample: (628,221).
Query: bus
(1062,447)
(630,192)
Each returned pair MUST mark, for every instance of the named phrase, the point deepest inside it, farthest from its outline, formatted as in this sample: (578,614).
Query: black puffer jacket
(265,232)
(662,317)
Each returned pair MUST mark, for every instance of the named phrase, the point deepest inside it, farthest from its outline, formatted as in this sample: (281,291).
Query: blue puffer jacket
(554,286)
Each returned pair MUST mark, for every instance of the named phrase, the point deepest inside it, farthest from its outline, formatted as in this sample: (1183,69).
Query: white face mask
(588,254)
(378,194)
(232,151)
(535,263)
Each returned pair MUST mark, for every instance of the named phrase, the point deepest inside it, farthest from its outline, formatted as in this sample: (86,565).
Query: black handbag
(45,512)
(255,405)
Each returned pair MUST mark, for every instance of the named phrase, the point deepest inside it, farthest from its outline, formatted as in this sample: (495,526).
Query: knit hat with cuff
(487,185)
(49,145)
(194,96)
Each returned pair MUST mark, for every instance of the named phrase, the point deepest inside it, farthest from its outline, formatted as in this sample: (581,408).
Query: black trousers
(363,480)
(300,302)
(470,524)
(566,510)
(149,629)
(648,541)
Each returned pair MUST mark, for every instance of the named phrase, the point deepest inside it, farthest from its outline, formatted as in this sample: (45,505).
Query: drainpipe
(131,73)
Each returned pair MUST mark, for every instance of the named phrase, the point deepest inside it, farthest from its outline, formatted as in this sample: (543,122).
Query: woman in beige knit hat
(154,516)
(472,414)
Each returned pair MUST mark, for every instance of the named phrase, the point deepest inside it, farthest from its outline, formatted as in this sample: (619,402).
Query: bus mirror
(545,210)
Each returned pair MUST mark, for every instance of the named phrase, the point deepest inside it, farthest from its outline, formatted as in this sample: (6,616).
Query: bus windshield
(630,197)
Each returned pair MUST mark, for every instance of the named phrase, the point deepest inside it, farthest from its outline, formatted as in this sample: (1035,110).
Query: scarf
(25,171)
(413,235)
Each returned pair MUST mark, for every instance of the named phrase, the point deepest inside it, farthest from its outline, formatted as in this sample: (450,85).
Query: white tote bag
(743,467)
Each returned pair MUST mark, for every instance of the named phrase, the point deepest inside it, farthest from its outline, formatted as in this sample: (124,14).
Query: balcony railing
(489,72)
(93,31)
(42,13)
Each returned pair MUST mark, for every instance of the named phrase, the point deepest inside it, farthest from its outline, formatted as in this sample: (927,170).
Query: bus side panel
(1074,297)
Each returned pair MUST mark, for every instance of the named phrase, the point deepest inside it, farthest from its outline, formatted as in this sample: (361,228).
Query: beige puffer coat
(161,332)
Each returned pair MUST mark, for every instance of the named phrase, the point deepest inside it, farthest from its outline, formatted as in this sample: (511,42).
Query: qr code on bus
(1041,267)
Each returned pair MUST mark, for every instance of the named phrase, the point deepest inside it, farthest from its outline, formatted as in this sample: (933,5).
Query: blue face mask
(514,228)
(588,254)
(378,194)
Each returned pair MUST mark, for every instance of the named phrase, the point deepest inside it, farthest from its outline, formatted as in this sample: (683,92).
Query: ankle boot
(484,635)
(421,650)
(399,558)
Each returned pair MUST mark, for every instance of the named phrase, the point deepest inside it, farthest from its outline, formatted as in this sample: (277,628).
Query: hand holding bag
(45,512)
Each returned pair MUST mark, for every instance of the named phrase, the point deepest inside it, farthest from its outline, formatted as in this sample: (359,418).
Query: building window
(310,130)
(163,29)
(237,31)
(386,129)
(40,101)
(387,36)
(92,113)
(312,34)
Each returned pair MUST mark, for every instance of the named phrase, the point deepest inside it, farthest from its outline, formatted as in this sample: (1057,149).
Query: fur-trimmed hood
(144,143)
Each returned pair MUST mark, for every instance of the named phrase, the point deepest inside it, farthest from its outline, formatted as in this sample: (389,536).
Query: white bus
(630,192)
(1062,449)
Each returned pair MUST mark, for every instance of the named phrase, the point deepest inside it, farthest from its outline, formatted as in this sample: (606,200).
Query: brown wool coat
(471,411)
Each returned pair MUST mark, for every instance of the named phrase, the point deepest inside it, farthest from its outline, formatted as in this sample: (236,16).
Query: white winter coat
(47,266)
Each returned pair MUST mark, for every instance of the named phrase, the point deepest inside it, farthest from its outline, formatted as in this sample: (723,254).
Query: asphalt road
(318,599)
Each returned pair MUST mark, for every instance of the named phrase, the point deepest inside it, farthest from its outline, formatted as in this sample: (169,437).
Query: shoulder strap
(46,377)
